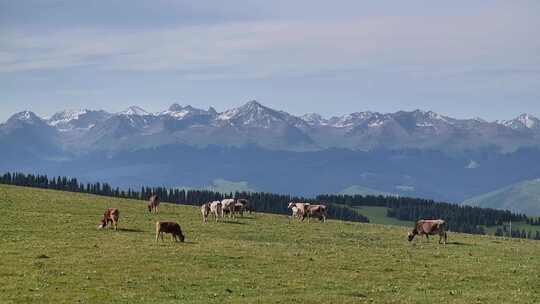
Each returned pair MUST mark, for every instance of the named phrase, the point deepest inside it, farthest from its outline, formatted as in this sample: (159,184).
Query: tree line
(260,201)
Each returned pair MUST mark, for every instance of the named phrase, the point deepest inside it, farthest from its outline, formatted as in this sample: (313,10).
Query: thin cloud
(259,48)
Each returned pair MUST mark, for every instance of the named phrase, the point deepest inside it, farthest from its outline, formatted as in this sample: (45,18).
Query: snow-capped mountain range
(256,124)
(411,153)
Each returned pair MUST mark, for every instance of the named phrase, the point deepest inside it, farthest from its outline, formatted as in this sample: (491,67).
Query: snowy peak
(254,114)
(25,120)
(355,119)
(180,112)
(523,121)
(251,110)
(314,119)
(134,110)
(77,119)
(24,117)
(65,116)
(27,116)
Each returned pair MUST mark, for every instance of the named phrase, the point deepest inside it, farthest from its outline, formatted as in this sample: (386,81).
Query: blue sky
(460,58)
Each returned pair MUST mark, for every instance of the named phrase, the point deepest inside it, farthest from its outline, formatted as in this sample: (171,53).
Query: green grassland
(377,215)
(51,252)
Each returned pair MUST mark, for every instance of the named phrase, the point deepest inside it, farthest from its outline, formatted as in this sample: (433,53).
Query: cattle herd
(233,208)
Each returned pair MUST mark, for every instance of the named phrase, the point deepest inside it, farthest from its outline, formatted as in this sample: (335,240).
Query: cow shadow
(232,222)
(248,217)
(458,244)
(130,230)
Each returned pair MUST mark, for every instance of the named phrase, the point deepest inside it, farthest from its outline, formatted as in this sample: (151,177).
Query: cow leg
(442,237)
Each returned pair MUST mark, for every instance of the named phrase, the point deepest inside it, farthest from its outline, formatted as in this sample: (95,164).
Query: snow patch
(65,117)
(134,110)
(472,165)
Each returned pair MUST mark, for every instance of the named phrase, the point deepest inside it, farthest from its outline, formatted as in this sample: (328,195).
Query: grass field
(51,252)
(377,215)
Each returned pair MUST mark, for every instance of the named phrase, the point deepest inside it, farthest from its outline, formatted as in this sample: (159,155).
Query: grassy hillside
(522,197)
(377,215)
(52,253)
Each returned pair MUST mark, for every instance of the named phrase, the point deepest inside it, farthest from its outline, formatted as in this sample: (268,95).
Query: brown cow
(319,211)
(430,227)
(153,204)
(169,227)
(111,215)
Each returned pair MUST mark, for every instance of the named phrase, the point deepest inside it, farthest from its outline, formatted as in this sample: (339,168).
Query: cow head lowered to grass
(111,215)
(429,227)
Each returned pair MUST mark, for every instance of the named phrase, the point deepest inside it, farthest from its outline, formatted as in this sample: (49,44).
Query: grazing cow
(430,227)
(216,210)
(319,211)
(111,215)
(247,205)
(153,204)
(205,210)
(227,206)
(239,209)
(294,210)
(169,227)
(301,210)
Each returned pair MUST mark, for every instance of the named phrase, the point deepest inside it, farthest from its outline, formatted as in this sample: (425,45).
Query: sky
(462,58)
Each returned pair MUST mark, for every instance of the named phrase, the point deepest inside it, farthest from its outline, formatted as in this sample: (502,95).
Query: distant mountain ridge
(256,124)
(406,153)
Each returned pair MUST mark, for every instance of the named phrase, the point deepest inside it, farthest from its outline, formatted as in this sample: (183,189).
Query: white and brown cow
(153,204)
(294,210)
(111,215)
(205,210)
(430,227)
(227,206)
(299,210)
(216,210)
(169,227)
